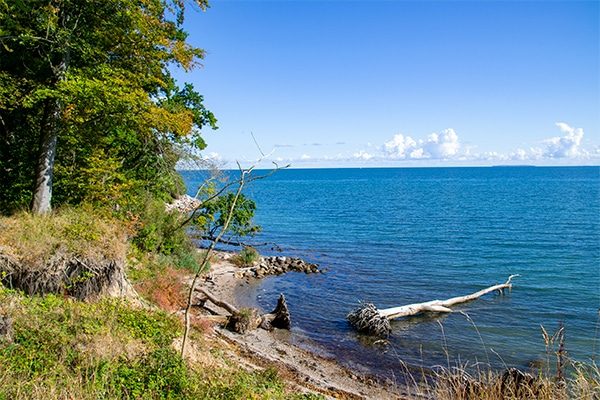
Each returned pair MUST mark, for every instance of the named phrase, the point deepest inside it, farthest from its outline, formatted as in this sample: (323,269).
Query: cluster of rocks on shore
(277,266)
(183,204)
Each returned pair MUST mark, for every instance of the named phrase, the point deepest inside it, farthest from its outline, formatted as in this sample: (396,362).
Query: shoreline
(307,369)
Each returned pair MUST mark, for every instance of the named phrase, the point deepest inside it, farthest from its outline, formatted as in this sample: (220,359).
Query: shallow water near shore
(399,236)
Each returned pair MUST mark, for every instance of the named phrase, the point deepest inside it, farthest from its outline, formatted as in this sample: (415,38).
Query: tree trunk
(441,306)
(367,318)
(248,319)
(42,192)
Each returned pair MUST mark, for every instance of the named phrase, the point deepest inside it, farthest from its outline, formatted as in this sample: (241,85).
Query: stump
(278,318)
(247,319)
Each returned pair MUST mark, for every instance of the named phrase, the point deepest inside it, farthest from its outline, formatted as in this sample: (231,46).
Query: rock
(517,383)
(277,265)
(183,204)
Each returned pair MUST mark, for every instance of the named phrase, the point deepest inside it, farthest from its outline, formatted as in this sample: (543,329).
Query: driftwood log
(247,319)
(368,319)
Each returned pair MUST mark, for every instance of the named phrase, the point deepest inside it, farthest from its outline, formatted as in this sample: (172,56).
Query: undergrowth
(88,234)
(66,349)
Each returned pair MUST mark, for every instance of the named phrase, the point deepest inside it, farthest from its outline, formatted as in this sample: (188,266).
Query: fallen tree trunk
(367,318)
(247,319)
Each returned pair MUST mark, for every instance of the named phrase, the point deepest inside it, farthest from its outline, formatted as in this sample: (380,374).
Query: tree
(211,217)
(85,90)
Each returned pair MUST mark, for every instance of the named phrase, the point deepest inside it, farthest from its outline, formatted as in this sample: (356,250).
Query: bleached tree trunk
(42,191)
(367,318)
(441,305)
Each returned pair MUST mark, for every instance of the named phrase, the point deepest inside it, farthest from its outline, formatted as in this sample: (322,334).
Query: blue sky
(401,83)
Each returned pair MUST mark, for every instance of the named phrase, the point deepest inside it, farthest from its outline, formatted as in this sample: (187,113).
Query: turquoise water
(399,236)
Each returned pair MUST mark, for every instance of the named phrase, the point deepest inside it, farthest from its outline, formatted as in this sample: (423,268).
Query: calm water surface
(399,236)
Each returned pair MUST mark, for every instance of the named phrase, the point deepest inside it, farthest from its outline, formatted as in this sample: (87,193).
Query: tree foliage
(212,216)
(96,74)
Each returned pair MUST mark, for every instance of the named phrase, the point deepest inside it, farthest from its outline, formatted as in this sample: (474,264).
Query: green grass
(64,349)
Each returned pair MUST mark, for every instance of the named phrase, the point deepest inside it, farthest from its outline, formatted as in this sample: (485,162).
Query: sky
(400,83)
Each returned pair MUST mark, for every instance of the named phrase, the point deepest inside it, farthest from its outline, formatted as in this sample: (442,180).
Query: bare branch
(205,259)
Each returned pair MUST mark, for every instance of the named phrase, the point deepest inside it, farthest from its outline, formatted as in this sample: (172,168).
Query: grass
(64,349)
(36,239)
(77,251)
(558,378)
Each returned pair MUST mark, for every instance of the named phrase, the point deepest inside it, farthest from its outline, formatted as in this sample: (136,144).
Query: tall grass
(559,378)
(78,251)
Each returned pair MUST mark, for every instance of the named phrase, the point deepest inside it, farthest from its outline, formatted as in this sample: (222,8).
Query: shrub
(247,257)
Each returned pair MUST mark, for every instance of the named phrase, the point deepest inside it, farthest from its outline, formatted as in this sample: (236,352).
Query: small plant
(247,257)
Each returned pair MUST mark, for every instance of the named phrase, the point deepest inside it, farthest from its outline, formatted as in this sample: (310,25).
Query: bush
(246,258)
(159,242)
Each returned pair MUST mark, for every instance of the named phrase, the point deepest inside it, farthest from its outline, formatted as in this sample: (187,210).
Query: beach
(260,348)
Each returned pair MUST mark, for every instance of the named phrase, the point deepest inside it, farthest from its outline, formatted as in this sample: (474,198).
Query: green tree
(213,215)
(87,99)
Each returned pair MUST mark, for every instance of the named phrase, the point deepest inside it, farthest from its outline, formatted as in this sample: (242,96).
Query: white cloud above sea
(362,155)
(437,146)
(446,146)
(567,145)
(213,156)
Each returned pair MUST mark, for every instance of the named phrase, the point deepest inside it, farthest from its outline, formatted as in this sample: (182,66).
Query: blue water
(399,236)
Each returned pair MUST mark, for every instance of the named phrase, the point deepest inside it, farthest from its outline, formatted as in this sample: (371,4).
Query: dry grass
(166,289)
(74,251)
(558,378)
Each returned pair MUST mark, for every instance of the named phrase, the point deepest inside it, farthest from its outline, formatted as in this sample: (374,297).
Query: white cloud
(437,146)
(362,155)
(566,146)
(446,146)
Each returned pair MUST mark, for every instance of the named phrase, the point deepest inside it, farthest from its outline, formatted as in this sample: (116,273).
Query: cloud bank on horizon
(446,146)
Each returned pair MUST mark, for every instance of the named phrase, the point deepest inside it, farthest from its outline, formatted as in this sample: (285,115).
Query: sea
(395,236)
